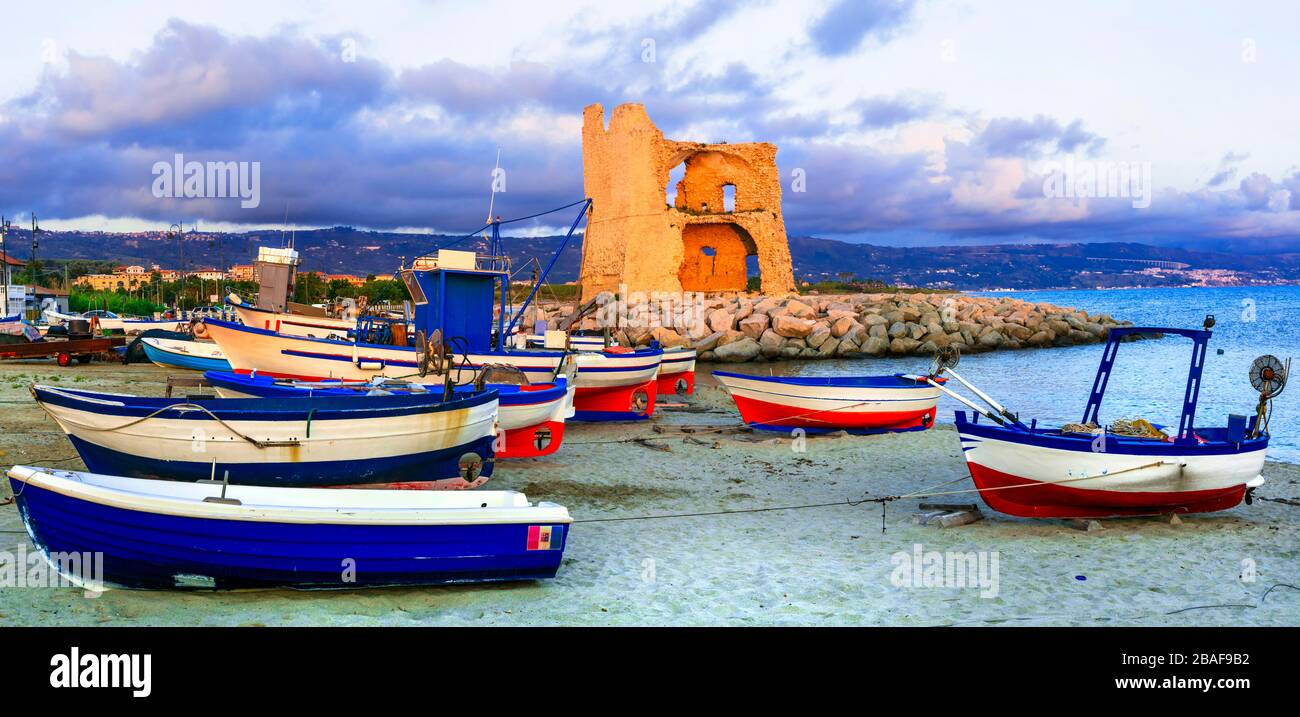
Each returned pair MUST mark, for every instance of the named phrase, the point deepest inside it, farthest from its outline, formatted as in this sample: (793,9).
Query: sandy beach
(826,565)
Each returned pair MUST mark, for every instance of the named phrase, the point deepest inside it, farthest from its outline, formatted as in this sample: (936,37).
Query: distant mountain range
(345,250)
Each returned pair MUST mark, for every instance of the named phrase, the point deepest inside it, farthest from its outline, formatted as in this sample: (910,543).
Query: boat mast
(495,250)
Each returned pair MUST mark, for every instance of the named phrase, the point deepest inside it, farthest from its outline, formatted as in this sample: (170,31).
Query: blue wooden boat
(161,534)
(416,439)
(177,353)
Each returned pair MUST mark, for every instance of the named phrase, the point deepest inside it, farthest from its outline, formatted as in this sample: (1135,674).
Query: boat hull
(408,441)
(191,355)
(873,404)
(676,373)
(1047,475)
(616,386)
(155,538)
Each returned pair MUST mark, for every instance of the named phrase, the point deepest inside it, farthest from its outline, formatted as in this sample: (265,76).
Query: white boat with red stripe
(1085,471)
(859,404)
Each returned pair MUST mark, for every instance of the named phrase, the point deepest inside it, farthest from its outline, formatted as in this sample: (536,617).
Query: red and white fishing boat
(1034,472)
(860,404)
(676,372)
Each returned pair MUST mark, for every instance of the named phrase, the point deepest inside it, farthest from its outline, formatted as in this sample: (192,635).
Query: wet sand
(827,565)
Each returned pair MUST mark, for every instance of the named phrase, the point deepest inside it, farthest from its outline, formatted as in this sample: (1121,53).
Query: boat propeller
(542,438)
(1268,376)
(471,466)
(640,400)
(499,373)
(429,353)
(945,357)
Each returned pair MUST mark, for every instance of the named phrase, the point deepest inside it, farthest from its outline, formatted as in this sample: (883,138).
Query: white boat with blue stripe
(181,353)
(163,534)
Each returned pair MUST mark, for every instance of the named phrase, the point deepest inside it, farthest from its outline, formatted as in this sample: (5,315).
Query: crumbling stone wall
(635,239)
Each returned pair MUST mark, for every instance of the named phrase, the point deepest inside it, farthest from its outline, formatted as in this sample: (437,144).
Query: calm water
(1052,385)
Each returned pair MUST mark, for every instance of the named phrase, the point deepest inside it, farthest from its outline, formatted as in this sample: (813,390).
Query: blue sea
(1052,385)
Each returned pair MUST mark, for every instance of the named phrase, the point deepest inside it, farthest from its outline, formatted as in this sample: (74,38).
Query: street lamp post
(175,232)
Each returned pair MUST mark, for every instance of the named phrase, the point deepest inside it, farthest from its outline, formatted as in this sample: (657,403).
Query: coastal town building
(11,266)
(349,278)
(208,274)
(14,298)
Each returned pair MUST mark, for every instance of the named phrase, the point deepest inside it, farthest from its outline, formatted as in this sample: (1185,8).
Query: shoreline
(826,565)
(1134,288)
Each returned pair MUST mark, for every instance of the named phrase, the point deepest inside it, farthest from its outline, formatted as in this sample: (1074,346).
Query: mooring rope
(142,419)
(882,500)
(846,502)
(1262,598)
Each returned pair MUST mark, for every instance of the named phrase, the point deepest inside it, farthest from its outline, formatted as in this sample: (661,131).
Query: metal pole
(32,266)
(986,398)
(960,398)
(524,306)
(4,263)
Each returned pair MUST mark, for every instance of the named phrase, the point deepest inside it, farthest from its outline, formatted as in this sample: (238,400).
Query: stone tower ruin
(635,238)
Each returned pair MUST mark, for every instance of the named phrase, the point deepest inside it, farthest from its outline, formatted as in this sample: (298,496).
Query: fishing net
(1136,428)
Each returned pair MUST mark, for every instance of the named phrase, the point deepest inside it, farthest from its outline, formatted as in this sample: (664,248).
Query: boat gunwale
(892,381)
(1115,444)
(317,408)
(399,514)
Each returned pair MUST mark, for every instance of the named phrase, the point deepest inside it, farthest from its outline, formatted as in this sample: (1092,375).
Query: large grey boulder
(745,349)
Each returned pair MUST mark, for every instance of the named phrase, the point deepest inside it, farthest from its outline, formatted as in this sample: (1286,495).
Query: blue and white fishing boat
(416,440)
(179,353)
(159,534)
(531,417)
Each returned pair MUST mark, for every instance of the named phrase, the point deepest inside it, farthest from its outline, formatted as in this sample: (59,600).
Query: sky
(908,121)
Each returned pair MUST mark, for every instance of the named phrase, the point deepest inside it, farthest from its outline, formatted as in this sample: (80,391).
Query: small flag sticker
(545,537)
